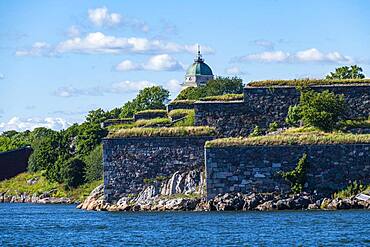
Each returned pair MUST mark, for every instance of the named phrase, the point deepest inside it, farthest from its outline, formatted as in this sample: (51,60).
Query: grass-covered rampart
(307,82)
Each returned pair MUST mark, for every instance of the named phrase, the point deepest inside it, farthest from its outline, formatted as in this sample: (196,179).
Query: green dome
(199,68)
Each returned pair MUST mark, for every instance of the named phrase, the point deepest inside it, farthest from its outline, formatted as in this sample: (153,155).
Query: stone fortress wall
(262,106)
(128,161)
(255,168)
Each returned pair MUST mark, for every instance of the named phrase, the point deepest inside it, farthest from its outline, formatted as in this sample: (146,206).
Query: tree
(155,97)
(89,136)
(322,110)
(345,72)
(96,116)
(217,86)
(94,164)
(72,172)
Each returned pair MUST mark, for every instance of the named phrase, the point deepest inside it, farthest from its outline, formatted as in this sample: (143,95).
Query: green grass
(351,190)
(19,185)
(144,123)
(153,111)
(306,82)
(182,102)
(225,97)
(187,114)
(171,131)
(292,137)
(358,123)
(178,113)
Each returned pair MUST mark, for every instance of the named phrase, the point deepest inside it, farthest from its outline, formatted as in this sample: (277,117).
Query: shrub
(322,110)
(257,131)
(273,127)
(72,172)
(351,190)
(94,164)
(297,176)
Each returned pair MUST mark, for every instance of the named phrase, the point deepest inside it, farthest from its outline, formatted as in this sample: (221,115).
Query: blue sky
(60,59)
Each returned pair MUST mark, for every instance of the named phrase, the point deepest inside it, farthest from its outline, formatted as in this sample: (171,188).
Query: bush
(351,190)
(322,110)
(257,131)
(94,164)
(297,176)
(273,126)
(72,172)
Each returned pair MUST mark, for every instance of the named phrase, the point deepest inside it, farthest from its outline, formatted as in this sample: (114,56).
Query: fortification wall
(262,106)
(255,168)
(128,161)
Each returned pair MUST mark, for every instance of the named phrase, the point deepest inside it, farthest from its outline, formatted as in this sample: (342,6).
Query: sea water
(64,225)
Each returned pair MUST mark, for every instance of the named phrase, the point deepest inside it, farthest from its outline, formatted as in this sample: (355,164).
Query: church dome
(199,67)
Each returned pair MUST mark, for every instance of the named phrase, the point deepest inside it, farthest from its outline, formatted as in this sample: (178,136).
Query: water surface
(61,225)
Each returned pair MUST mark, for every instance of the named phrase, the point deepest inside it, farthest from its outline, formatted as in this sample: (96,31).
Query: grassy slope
(306,82)
(294,136)
(19,185)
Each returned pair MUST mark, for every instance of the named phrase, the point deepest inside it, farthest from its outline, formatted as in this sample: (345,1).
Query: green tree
(322,110)
(89,136)
(217,86)
(94,164)
(72,172)
(96,116)
(297,176)
(155,97)
(345,72)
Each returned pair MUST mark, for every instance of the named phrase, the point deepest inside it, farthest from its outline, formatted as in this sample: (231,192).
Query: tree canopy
(347,72)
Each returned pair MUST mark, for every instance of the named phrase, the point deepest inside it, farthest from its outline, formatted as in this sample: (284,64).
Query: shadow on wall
(14,162)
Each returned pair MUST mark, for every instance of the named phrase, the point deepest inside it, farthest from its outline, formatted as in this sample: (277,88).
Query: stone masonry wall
(128,161)
(255,168)
(262,106)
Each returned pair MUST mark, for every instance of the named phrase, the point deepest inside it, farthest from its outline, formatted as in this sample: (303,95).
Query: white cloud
(101,17)
(115,88)
(2,76)
(73,31)
(173,86)
(21,124)
(309,55)
(95,43)
(129,86)
(37,49)
(162,62)
(235,70)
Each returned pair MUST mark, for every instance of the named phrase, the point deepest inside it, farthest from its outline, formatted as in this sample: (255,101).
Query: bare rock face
(95,201)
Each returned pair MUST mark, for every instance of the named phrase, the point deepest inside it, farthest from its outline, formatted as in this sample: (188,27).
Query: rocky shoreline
(44,198)
(185,192)
(226,202)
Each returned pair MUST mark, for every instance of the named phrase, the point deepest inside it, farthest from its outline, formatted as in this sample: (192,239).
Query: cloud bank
(309,55)
(162,62)
(22,124)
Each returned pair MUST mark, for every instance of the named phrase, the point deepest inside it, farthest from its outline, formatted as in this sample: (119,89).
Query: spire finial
(199,56)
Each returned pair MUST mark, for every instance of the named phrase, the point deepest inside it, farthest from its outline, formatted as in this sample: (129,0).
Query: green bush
(257,131)
(351,190)
(297,176)
(273,127)
(72,172)
(322,110)
(94,164)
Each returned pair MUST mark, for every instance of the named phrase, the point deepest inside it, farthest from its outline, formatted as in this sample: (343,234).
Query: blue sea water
(61,225)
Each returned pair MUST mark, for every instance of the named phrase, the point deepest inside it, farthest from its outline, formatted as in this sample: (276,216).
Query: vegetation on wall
(225,97)
(297,176)
(347,72)
(318,109)
(217,86)
(171,131)
(307,82)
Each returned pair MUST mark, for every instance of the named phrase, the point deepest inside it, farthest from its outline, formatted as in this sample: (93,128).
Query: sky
(60,59)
